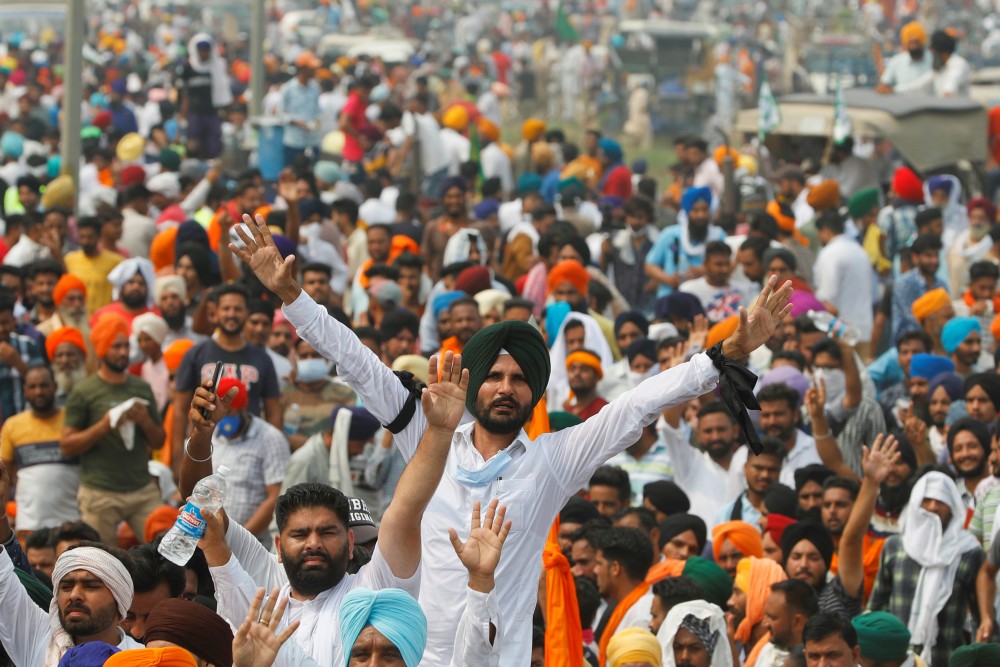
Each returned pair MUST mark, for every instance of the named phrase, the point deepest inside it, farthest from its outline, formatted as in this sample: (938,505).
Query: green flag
(842,128)
(769,115)
(564,29)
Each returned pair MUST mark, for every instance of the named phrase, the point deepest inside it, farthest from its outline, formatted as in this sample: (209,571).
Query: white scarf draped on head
(708,624)
(937,551)
(593,340)
(126,270)
(215,66)
(105,567)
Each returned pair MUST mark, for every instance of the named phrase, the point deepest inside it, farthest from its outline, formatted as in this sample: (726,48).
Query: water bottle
(179,544)
(293,418)
(836,327)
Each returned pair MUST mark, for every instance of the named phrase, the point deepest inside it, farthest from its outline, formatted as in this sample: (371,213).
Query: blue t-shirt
(668,254)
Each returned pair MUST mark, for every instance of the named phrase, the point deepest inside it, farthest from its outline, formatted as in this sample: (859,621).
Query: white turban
(152,325)
(125,271)
(105,567)
(165,183)
(170,285)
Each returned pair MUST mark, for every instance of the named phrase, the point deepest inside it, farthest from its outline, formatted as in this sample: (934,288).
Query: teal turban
(443,301)
(957,330)
(522,341)
(882,637)
(975,655)
(718,585)
(391,611)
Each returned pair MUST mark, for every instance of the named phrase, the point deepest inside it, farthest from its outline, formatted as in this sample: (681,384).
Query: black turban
(667,497)
(635,317)
(641,347)
(779,499)
(814,472)
(676,524)
(397,320)
(812,531)
(192,627)
(679,304)
(524,344)
(990,383)
(578,510)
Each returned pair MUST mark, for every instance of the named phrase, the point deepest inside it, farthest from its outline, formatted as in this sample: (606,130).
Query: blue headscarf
(392,612)
(952,385)
(939,183)
(957,330)
(694,195)
(612,149)
(555,315)
(442,301)
(928,366)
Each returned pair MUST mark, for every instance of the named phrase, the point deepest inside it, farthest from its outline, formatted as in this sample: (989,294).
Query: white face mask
(836,385)
(635,378)
(310,370)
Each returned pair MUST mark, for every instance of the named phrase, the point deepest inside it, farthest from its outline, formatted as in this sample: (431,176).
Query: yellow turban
(587,358)
(487,129)
(533,129)
(825,195)
(634,645)
(930,303)
(913,31)
(456,118)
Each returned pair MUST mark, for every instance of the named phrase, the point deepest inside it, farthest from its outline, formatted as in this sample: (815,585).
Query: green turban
(37,591)
(975,655)
(882,637)
(524,344)
(718,585)
(862,203)
(561,420)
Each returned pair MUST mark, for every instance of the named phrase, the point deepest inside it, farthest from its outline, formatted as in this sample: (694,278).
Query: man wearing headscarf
(66,350)
(919,298)
(909,65)
(634,647)
(133,294)
(884,641)
(679,251)
(70,299)
(616,177)
(508,376)
(682,536)
(113,444)
(193,627)
(977,655)
(664,498)
(377,623)
(205,87)
(961,339)
(928,573)
(734,541)
(150,332)
(695,633)
(751,589)
(170,296)
(93,593)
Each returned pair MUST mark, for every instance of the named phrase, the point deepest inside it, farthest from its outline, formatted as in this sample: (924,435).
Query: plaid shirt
(896,586)
(11,394)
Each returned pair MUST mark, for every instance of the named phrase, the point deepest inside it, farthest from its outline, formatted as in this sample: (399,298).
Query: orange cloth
(569,270)
(587,358)
(722,330)
(159,520)
(105,330)
(744,537)
(533,129)
(64,335)
(757,648)
(175,352)
(871,556)
(760,574)
(456,118)
(539,422)
(161,250)
(616,618)
(363,280)
(665,569)
(400,244)
(786,222)
(451,344)
(172,656)
(824,195)
(487,129)
(969,301)
(995,328)
(929,303)
(165,454)
(722,151)
(913,30)
(67,284)
(563,633)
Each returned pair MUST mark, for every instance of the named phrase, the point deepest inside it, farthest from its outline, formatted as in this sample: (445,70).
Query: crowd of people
(491,390)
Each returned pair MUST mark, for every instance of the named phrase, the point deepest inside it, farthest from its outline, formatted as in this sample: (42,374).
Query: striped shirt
(655,465)
(982,525)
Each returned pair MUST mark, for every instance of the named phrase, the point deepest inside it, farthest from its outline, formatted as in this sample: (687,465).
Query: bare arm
(200,444)
(75,442)
(288,188)
(261,517)
(659,275)
(826,444)
(852,378)
(986,591)
(182,403)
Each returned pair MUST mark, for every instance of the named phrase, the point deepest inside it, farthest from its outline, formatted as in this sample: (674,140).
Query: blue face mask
(489,472)
(310,370)
(229,426)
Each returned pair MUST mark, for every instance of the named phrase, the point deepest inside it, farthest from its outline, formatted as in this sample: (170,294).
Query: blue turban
(641,347)
(88,654)
(391,611)
(284,245)
(528,183)
(484,209)
(635,317)
(610,202)
(328,171)
(364,425)
(310,207)
(640,166)
(611,148)
(694,195)
(951,383)
(443,301)
(454,182)
(929,365)
(939,183)
(555,315)
(957,330)
(12,145)
(679,304)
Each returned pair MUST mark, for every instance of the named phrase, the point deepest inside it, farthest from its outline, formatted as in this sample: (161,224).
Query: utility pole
(257,73)
(76,16)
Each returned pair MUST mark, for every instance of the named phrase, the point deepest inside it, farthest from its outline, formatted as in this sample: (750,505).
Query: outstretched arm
(826,444)
(443,403)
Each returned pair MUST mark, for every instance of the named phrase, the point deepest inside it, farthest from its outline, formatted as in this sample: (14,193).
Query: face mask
(635,378)
(310,370)
(229,426)
(836,385)
(917,54)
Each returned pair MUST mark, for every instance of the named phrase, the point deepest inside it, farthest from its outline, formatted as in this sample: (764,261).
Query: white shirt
(952,80)
(457,150)
(26,251)
(902,70)
(432,155)
(496,163)
(535,485)
(843,277)
(472,641)
(138,231)
(708,174)
(801,208)
(638,615)
(803,453)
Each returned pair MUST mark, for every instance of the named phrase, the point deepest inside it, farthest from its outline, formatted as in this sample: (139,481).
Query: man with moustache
(909,66)
(66,349)
(779,418)
(969,448)
(70,300)
(170,293)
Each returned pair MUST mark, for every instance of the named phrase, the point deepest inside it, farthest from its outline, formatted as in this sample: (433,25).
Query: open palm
(757,326)
(444,399)
(480,554)
(261,255)
(257,640)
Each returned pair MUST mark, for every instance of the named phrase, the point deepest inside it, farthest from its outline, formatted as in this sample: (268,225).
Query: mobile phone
(216,376)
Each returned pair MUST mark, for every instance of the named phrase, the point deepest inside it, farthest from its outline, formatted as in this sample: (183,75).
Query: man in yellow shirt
(91,264)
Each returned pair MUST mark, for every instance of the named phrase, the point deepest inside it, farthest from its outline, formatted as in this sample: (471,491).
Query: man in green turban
(884,640)
(975,655)
(491,455)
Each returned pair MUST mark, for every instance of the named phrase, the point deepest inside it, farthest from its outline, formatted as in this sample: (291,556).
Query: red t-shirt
(592,409)
(354,109)
(618,183)
(994,133)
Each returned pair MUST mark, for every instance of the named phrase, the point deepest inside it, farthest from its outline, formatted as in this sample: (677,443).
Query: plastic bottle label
(190,521)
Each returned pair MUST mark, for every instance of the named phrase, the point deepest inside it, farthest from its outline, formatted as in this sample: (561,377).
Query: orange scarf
(665,569)
(755,653)
(563,634)
(539,422)
(871,557)
(450,345)
(970,302)
(616,618)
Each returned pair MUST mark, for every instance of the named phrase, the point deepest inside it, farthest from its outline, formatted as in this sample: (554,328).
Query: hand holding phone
(216,376)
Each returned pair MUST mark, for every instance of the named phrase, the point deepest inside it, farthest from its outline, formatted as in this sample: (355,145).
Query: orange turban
(533,129)
(995,328)
(587,358)
(172,656)
(159,520)
(913,31)
(930,303)
(456,118)
(825,195)
(105,331)
(67,284)
(569,270)
(175,352)
(487,129)
(785,222)
(755,576)
(722,330)
(401,243)
(744,537)
(721,152)
(64,335)
(161,250)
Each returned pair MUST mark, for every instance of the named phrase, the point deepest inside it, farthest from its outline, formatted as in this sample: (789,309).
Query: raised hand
(697,335)
(257,640)
(443,401)
(288,186)
(815,398)
(263,258)
(756,327)
(217,407)
(877,461)
(480,554)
